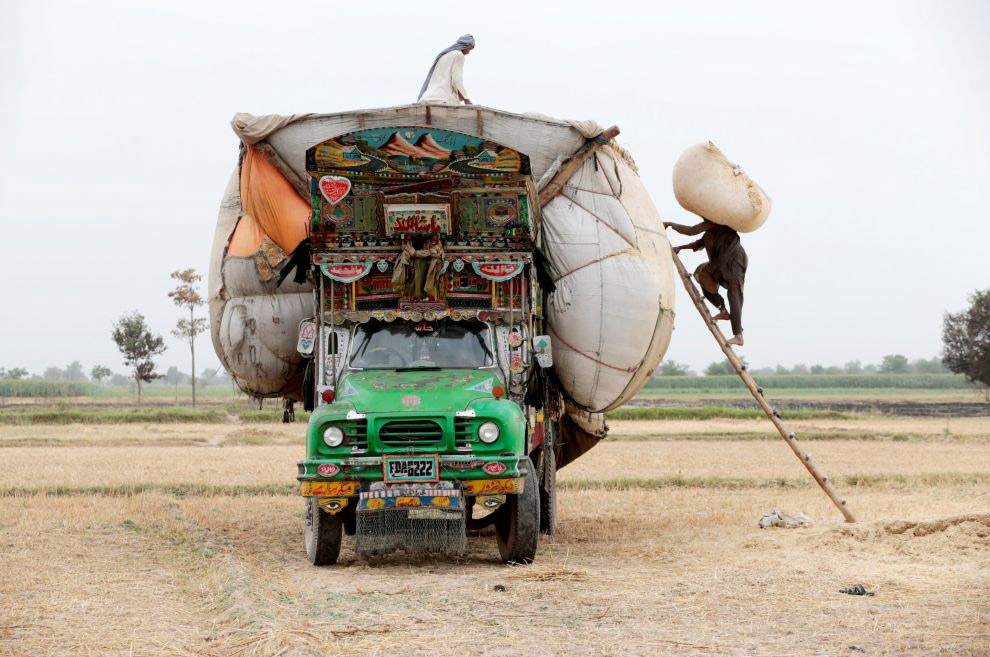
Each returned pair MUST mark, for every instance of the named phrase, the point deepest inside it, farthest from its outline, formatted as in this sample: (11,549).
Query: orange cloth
(272,208)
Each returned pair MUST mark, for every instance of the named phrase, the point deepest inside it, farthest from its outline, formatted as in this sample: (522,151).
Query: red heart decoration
(334,188)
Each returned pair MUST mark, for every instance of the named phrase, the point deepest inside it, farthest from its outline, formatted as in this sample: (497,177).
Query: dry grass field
(186,540)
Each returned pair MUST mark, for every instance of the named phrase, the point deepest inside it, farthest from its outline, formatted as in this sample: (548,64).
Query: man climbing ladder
(726,267)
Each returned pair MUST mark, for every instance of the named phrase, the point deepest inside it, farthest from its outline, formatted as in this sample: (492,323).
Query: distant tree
(723,367)
(187,296)
(99,372)
(763,371)
(14,374)
(119,380)
(781,370)
(966,340)
(929,366)
(174,377)
(870,369)
(834,369)
(817,369)
(799,369)
(74,372)
(212,377)
(894,364)
(138,345)
(672,368)
(53,374)
(853,367)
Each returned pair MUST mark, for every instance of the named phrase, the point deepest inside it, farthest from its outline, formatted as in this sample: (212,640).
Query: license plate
(411,468)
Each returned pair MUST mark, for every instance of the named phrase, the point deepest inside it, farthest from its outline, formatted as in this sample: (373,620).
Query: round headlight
(488,432)
(333,436)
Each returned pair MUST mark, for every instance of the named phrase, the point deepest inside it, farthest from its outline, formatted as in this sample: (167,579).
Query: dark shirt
(726,256)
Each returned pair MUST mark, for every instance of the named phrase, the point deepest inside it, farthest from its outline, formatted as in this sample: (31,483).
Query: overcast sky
(866,122)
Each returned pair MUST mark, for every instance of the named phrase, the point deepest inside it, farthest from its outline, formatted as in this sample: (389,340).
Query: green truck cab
(428,375)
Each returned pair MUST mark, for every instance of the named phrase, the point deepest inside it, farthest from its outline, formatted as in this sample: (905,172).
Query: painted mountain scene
(414,151)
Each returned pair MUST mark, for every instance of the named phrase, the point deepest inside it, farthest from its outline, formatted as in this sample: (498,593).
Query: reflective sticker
(407,501)
(441,501)
(327,469)
(411,400)
(484,386)
(495,468)
(329,488)
(345,389)
(492,486)
(375,503)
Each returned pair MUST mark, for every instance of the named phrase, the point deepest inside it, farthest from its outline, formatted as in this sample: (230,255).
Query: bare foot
(737,340)
(722,314)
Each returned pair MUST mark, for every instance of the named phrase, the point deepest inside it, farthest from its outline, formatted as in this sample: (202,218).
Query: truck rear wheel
(322,534)
(517,525)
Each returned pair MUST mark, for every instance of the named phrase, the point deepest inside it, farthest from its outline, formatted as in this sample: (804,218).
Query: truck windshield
(400,344)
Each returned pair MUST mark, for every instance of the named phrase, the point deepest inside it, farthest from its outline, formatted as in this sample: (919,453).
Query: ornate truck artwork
(334,188)
(498,270)
(415,152)
(307,337)
(417,219)
(346,272)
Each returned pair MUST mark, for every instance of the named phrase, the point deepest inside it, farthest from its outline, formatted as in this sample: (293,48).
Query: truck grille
(410,433)
(356,432)
(464,431)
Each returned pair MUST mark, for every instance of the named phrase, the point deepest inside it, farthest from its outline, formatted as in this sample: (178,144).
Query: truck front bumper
(344,476)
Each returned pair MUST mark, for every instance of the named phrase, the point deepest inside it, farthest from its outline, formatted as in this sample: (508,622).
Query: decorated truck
(457,293)
(429,328)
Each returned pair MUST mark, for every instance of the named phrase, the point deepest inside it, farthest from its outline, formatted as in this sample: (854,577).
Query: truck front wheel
(322,534)
(517,525)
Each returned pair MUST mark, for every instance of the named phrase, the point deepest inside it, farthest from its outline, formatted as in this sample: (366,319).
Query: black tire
(322,534)
(548,492)
(517,526)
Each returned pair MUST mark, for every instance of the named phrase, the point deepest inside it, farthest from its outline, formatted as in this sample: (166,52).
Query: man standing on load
(726,267)
(444,83)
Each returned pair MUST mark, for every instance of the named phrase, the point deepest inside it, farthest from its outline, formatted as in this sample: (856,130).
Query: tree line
(889,364)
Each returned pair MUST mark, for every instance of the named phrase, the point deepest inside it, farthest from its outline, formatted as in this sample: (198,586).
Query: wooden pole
(568,168)
(757,393)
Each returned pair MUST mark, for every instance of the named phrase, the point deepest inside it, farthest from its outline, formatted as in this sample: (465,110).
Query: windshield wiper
(418,369)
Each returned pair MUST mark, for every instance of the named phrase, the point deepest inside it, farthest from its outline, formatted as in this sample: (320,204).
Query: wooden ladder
(757,392)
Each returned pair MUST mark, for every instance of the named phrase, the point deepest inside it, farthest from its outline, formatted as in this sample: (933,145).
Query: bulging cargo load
(709,185)
(610,315)
(613,311)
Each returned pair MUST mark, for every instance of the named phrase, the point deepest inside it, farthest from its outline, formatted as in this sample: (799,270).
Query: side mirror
(307,338)
(543,351)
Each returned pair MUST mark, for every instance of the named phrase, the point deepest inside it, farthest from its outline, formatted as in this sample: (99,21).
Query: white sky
(866,122)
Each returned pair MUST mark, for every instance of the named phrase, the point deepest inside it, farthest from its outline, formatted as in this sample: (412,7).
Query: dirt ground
(658,551)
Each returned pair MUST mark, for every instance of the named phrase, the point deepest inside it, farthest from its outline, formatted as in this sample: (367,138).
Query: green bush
(771,381)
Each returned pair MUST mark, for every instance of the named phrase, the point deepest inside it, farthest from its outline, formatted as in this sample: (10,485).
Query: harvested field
(180,539)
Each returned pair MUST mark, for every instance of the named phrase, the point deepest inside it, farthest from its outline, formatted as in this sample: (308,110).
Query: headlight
(488,432)
(333,436)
